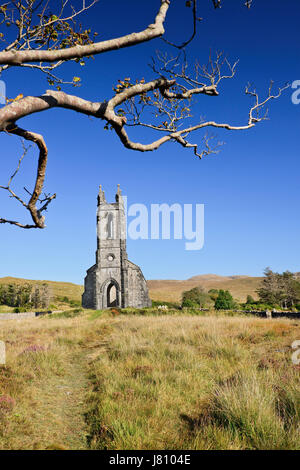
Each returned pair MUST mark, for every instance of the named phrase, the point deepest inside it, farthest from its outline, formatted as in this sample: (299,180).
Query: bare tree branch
(19,57)
(48,42)
(208,148)
(8,186)
(36,214)
(192,3)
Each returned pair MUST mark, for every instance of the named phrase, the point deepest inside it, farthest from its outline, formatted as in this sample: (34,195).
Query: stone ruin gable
(113,281)
(138,293)
(88,297)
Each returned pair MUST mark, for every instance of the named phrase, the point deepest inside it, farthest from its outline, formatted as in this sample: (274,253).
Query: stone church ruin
(113,281)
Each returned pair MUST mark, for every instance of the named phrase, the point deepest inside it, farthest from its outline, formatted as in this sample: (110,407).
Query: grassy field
(163,290)
(96,380)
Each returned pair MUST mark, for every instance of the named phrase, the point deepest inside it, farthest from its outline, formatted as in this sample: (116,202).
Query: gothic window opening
(110,226)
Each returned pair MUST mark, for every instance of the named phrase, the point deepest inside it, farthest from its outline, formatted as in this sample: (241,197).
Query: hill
(171,290)
(165,290)
(59,289)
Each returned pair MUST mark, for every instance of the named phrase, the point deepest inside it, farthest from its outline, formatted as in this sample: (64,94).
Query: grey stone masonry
(113,281)
(17,316)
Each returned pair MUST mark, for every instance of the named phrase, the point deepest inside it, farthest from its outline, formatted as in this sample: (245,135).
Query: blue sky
(250,189)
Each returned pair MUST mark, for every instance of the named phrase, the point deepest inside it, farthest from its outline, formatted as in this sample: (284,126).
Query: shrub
(21,309)
(258,306)
(225,301)
(189,303)
(250,300)
(213,294)
(196,297)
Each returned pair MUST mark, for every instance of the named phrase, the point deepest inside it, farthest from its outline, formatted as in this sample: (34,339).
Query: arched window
(110,226)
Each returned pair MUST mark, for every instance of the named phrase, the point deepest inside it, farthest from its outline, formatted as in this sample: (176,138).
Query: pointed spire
(119,194)
(101,195)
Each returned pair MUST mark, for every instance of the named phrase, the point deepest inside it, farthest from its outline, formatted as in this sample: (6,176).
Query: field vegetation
(149,380)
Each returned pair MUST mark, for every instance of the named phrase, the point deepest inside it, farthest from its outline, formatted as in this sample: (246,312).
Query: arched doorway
(110,294)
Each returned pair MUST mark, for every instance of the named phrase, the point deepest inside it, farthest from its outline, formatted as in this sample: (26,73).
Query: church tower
(113,281)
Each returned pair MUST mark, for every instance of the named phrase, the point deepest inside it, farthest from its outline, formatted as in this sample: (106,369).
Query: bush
(225,301)
(20,309)
(258,306)
(196,297)
(250,300)
(189,303)
(213,294)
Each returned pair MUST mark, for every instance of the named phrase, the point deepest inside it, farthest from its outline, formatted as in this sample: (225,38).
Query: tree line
(25,295)
(218,298)
(277,290)
(281,290)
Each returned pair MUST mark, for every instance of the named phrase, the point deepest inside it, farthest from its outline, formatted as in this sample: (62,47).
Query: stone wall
(17,316)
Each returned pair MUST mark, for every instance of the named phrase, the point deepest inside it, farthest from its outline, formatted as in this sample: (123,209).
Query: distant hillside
(61,289)
(171,290)
(168,290)
(214,277)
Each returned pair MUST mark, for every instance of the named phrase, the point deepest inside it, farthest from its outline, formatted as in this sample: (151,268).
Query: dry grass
(197,383)
(171,290)
(46,375)
(156,382)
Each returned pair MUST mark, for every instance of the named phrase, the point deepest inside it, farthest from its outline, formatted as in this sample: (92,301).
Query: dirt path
(59,408)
